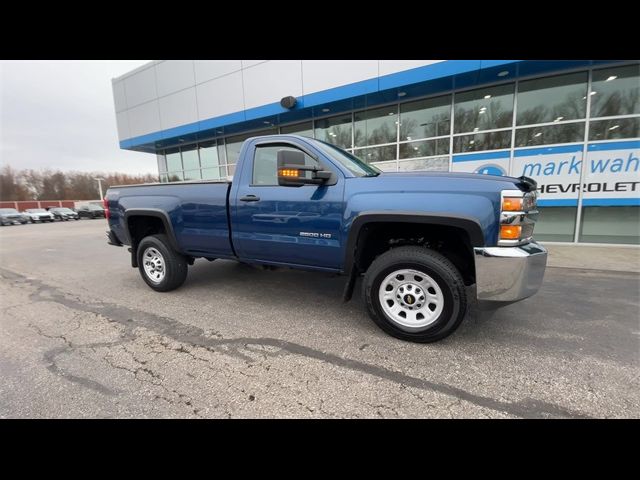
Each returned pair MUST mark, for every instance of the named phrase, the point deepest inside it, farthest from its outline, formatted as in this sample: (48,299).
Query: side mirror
(292,170)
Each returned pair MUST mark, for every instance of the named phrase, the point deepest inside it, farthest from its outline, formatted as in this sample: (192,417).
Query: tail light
(518,215)
(105,204)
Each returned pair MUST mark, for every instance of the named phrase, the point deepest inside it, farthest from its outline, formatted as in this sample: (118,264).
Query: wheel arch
(140,222)
(359,226)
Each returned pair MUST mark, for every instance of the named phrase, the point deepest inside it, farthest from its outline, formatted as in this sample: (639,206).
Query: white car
(39,215)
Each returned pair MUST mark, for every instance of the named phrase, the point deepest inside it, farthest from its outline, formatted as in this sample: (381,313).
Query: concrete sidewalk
(614,258)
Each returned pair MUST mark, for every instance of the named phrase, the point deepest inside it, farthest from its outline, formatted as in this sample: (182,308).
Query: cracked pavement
(82,336)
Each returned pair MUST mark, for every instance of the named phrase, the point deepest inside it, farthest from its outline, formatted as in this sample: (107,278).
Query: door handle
(249,198)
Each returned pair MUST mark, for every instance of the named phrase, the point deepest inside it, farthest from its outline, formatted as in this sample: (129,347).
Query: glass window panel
(190,160)
(173,160)
(162,163)
(209,154)
(222,153)
(164,178)
(390,166)
(562,97)
(615,128)
(265,164)
(438,164)
(482,141)
(210,174)
(175,176)
(617,91)
(223,172)
(335,130)
(555,224)
(425,118)
(192,175)
(484,109)
(234,144)
(376,154)
(610,225)
(373,127)
(425,148)
(567,133)
(231,170)
(305,129)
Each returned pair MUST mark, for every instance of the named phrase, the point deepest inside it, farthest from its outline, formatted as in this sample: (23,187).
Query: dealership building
(573,126)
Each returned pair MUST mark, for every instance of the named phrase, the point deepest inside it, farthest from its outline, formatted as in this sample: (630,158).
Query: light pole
(99,185)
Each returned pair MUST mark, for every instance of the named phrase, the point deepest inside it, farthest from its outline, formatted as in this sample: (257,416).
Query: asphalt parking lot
(82,336)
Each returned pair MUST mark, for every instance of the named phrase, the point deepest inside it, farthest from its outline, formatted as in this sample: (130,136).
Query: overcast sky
(60,115)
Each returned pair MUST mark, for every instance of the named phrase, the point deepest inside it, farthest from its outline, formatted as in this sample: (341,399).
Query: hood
(525,184)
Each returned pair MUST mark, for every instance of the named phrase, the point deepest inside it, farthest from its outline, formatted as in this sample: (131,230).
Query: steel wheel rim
(154,265)
(411,299)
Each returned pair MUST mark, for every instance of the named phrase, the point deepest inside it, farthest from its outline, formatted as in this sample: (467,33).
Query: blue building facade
(574,126)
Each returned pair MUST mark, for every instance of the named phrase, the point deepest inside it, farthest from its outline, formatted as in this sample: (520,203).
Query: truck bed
(197,211)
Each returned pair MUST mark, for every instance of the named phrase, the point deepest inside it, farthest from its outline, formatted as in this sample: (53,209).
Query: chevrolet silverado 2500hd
(418,238)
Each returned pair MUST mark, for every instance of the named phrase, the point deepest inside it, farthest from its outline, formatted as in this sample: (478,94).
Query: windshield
(8,210)
(63,210)
(95,207)
(36,210)
(354,164)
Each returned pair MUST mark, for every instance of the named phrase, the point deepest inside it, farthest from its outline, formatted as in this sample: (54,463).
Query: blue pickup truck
(420,240)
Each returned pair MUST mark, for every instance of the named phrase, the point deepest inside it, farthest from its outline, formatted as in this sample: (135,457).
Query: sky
(60,115)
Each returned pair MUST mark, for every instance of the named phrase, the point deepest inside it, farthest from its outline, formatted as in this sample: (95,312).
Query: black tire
(435,265)
(175,264)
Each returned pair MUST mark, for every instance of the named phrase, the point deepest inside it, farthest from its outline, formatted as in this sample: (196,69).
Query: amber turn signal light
(510,232)
(512,204)
(289,172)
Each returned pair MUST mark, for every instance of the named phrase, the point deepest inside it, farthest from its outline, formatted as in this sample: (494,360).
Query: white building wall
(169,93)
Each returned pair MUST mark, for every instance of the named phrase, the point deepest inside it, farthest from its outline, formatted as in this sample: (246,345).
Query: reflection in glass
(484,109)
(561,133)
(563,97)
(425,118)
(305,129)
(210,174)
(556,224)
(482,141)
(192,175)
(335,130)
(614,128)
(175,176)
(425,148)
(610,225)
(376,154)
(173,160)
(190,160)
(209,154)
(162,163)
(234,144)
(376,126)
(437,164)
(617,91)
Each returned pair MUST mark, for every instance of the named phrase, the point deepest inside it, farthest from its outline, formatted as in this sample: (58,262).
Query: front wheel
(161,267)
(415,294)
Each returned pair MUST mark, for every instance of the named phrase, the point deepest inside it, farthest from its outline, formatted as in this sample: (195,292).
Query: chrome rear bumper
(509,274)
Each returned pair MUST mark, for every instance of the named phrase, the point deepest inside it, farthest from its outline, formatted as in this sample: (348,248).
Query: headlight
(518,215)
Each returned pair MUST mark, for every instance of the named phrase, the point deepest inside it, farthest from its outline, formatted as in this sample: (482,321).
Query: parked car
(11,216)
(90,211)
(64,213)
(417,239)
(38,215)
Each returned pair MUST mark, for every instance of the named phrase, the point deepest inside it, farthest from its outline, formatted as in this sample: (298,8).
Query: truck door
(291,225)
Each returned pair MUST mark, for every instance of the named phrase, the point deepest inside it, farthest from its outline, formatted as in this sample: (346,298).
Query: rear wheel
(415,294)
(161,267)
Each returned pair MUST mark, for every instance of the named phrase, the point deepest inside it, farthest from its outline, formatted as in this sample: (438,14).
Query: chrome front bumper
(509,274)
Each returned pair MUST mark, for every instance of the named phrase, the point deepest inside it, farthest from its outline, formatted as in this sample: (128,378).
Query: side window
(265,163)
